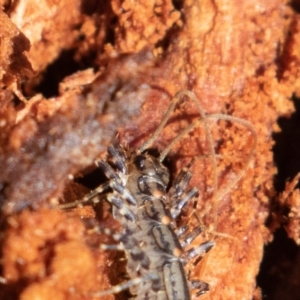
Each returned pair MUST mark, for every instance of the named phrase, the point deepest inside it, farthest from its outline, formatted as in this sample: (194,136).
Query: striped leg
(178,195)
(100,189)
(126,285)
(115,178)
(200,286)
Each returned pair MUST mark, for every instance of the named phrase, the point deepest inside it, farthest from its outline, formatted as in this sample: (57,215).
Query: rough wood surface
(239,57)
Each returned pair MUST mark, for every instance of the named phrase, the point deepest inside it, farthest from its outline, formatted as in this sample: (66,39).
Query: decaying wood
(240,58)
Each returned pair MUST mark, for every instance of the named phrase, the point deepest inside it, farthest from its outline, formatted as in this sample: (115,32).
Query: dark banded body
(147,211)
(142,204)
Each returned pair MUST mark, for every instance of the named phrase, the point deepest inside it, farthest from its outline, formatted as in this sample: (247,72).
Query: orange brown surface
(290,198)
(113,67)
(54,260)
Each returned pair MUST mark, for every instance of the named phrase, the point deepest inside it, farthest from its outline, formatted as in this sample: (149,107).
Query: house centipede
(155,247)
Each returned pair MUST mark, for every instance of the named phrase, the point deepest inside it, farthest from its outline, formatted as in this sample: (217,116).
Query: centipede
(147,206)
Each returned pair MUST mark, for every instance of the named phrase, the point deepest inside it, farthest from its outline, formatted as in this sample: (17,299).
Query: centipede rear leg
(115,178)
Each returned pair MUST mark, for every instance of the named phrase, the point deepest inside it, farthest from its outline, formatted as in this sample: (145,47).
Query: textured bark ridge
(92,71)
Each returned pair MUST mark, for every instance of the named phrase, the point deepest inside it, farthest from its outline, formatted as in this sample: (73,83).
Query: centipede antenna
(206,229)
(251,154)
(178,137)
(165,119)
(162,124)
(216,195)
(247,124)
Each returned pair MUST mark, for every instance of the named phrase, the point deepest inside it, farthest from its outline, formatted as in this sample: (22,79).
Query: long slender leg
(217,195)
(106,231)
(100,189)
(203,119)
(181,231)
(176,210)
(220,194)
(115,181)
(117,187)
(178,196)
(181,182)
(118,157)
(200,250)
(120,204)
(189,237)
(201,287)
(165,119)
(109,172)
(124,286)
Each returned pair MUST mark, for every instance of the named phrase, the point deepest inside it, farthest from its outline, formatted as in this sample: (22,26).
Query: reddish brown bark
(240,58)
